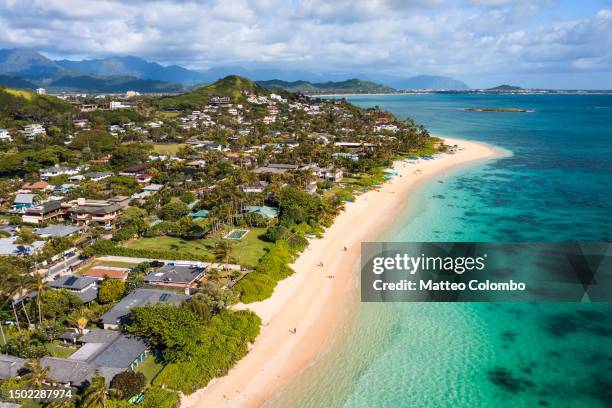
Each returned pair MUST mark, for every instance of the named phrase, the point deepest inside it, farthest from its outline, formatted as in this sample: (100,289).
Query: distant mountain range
(118,74)
(349,86)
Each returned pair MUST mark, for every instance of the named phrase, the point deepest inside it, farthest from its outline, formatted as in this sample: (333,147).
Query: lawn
(167,148)
(168,114)
(150,368)
(246,251)
(59,351)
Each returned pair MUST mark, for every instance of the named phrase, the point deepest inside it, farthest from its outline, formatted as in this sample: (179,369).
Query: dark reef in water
(596,322)
(503,378)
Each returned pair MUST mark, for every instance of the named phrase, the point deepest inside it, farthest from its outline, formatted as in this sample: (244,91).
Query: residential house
(276,168)
(56,170)
(135,169)
(5,136)
(144,178)
(84,211)
(64,188)
(33,130)
(22,202)
(57,231)
(290,144)
(9,247)
(102,160)
(111,272)
(258,187)
(219,100)
(153,188)
(97,175)
(81,124)
(37,186)
(140,297)
(196,164)
(50,211)
(176,276)
(263,210)
(198,215)
(84,287)
(103,352)
(328,173)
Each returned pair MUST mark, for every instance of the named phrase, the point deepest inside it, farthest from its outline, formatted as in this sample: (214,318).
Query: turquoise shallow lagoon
(556,186)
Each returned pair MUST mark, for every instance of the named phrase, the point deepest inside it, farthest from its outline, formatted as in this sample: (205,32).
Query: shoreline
(311,300)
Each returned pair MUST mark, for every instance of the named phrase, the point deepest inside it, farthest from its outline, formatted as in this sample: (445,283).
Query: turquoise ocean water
(556,186)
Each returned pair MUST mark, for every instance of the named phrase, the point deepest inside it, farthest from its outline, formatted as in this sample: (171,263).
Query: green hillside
(92,83)
(505,88)
(232,86)
(349,86)
(16,104)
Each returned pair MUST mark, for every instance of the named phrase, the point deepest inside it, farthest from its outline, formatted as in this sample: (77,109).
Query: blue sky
(547,43)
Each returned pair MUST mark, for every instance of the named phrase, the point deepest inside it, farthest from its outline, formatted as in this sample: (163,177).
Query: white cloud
(392,36)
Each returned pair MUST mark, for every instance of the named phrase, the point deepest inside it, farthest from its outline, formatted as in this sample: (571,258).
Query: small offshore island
(511,110)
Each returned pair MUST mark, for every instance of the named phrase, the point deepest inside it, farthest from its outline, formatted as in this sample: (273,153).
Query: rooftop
(140,297)
(170,273)
(10,366)
(264,210)
(57,230)
(72,282)
(107,271)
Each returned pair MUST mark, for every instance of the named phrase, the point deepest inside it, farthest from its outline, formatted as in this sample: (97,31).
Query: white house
(5,136)
(33,130)
(56,170)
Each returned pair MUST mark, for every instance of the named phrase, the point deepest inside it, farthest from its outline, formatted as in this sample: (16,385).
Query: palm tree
(37,284)
(223,250)
(80,318)
(38,375)
(98,394)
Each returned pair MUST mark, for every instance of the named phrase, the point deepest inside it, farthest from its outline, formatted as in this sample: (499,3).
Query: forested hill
(344,87)
(19,105)
(232,86)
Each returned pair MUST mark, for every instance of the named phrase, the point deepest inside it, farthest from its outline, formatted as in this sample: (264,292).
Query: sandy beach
(316,299)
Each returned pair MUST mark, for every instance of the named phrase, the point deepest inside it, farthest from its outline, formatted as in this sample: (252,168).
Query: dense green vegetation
(232,86)
(197,341)
(20,105)
(343,87)
(90,83)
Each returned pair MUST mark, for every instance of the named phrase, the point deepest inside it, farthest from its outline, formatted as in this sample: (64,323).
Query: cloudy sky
(532,43)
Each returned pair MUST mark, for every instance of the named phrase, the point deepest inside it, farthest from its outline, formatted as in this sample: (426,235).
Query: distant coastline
(472,91)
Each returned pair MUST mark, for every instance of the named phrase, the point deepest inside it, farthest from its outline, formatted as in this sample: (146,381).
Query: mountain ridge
(32,66)
(353,85)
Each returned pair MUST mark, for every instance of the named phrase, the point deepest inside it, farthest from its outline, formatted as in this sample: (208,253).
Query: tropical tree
(129,383)
(38,375)
(37,284)
(98,394)
(80,318)
(223,250)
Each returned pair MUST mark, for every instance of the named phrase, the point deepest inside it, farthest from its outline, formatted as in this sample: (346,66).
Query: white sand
(312,302)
